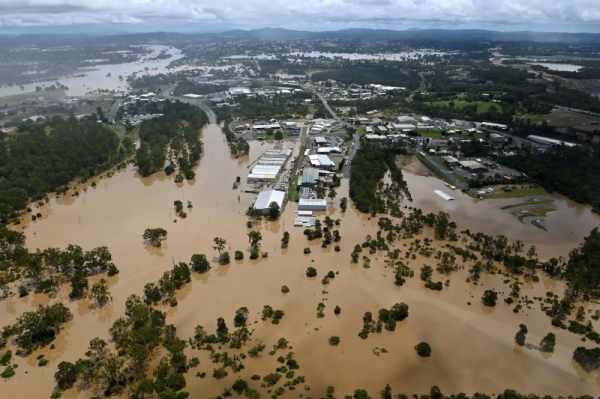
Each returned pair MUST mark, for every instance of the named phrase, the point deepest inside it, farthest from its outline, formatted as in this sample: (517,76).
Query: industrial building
(548,141)
(473,166)
(237,91)
(305,204)
(450,160)
(269,165)
(265,198)
(497,126)
(497,138)
(321,161)
(309,177)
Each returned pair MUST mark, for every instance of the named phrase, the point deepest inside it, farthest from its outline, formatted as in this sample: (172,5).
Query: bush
(334,340)
(489,298)
(239,255)
(311,272)
(224,258)
(423,349)
(337,310)
(306,251)
(254,253)
(285,289)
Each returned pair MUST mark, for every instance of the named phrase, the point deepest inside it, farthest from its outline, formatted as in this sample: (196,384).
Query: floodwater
(566,226)
(473,347)
(97,78)
(559,67)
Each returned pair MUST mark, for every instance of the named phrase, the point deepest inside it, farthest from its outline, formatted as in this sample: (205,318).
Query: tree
(343,204)
(155,237)
(66,375)
(399,311)
(423,349)
(334,340)
(588,359)
(241,316)
(100,293)
(199,263)
(311,272)
(489,298)
(224,259)
(219,244)
(254,238)
(547,343)
(239,386)
(274,210)
(79,284)
(285,240)
(521,335)
(278,135)
(426,273)
(332,194)
(238,255)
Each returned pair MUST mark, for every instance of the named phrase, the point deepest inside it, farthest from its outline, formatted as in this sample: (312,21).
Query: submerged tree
(100,293)
(521,335)
(155,237)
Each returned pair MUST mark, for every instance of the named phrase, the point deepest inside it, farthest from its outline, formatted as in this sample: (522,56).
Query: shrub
(285,289)
(311,272)
(423,349)
(334,340)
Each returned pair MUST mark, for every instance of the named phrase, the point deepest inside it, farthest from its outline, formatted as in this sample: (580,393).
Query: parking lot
(493,169)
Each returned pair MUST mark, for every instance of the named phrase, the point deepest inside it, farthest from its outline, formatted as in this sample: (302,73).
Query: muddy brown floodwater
(472,347)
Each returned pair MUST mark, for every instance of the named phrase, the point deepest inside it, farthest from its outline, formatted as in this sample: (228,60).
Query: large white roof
(265,198)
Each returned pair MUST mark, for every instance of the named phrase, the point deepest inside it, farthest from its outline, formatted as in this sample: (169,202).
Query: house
(376,121)
(363,121)
(497,138)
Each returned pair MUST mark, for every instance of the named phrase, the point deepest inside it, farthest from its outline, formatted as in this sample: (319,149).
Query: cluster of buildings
(268,166)
(353,92)
(320,126)
(135,120)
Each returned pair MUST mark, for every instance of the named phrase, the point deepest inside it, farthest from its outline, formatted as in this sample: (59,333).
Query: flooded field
(473,346)
(97,78)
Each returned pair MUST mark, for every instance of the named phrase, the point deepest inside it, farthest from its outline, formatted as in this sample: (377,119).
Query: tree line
(41,158)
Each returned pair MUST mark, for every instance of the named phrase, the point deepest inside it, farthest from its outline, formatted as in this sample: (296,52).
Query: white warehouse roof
(265,198)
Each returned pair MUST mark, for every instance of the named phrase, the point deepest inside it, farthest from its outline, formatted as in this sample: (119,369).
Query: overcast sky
(213,15)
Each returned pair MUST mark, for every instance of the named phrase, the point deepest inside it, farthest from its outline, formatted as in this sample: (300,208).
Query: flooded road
(472,346)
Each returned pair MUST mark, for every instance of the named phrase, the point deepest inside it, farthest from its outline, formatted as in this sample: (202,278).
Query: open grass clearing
(518,192)
(18,98)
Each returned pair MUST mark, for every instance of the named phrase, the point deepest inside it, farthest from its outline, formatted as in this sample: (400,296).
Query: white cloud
(573,15)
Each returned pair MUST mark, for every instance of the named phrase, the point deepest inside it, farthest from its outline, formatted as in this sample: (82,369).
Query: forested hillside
(40,158)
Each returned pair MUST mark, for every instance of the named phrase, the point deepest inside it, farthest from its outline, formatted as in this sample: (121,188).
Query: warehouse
(312,204)
(265,198)
(548,141)
(320,161)
(473,166)
(309,177)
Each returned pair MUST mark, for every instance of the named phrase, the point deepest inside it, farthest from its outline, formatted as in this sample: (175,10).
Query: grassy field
(562,118)
(534,118)
(519,192)
(269,136)
(545,201)
(482,106)
(18,98)
(361,130)
(430,133)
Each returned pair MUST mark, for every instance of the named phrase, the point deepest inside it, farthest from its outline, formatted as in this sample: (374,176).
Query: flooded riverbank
(95,78)
(472,346)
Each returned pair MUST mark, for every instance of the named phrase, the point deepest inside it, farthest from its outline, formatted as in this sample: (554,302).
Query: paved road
(113,111)
(355,148)
(197,103)
(449,174)
(328,108)
(528,207)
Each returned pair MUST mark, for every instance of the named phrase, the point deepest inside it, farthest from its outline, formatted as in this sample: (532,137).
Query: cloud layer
(558,15)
